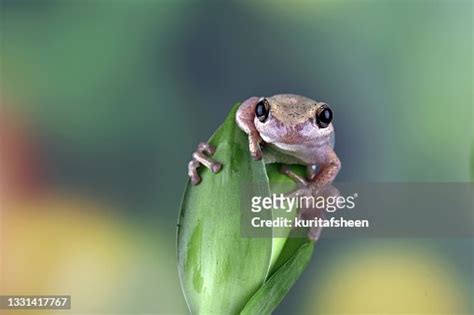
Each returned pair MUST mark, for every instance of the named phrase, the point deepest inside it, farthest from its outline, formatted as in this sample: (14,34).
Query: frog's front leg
(200,158)
(329,166)
(245,117)
(308,212)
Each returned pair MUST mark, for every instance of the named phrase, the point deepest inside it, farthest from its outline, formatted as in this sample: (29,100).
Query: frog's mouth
(299,141)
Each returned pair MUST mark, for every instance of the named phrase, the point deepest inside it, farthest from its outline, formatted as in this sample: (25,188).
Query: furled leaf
(219,269)
(267,298)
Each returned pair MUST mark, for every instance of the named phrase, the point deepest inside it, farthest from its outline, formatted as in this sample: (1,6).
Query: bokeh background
(103,102)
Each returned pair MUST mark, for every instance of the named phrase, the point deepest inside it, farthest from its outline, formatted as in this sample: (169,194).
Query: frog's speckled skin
(292,109)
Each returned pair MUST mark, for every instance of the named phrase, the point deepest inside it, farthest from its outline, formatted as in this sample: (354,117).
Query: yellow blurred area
(396,279)
(68,246)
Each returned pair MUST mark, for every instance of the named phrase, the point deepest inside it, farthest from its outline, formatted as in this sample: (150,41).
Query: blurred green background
(117,94)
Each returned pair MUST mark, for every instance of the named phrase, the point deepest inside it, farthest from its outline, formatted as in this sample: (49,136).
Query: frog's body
(294,130)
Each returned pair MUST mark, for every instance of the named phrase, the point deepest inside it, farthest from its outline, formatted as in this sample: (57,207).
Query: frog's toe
(256,155)
(299,180)
(255,151)
(205,147)
(216,167)
(315,233)
(208,162)
(193,173)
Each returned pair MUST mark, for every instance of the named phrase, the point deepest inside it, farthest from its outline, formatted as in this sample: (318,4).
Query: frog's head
(292,119)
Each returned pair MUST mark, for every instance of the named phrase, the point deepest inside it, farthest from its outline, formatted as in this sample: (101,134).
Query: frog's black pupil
(261,111)
(324,117)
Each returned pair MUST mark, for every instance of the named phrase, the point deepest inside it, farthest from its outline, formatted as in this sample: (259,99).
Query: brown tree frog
(293,129)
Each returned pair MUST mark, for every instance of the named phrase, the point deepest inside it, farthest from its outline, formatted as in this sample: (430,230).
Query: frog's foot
(310,213)
(200,158)
(313,211)
(254,145)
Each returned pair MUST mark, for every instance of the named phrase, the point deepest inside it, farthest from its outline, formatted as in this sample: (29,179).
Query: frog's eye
(262,109)
(323,116)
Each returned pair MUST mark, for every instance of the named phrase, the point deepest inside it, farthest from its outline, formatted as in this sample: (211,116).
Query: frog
(286,129)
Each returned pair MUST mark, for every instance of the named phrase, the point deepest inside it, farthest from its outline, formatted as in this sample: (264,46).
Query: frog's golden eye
(323,116)
(262,109)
